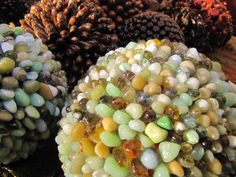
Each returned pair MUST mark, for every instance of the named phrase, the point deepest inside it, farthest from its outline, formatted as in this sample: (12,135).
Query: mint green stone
(230,99)
(181,105)
(191,136)
(145,141)
(37,66)
(161,171)
(165,123)
(18,132)
(22,99)
(6,94)
(186,98)
(10,106)
(4,28)
(36,100)
(18,31)
(168,151)
(29,123)
(113,91)
(112,168)
(104,110)
(110,139)
(221,86)
(125,133)
(121,117)
(32,112)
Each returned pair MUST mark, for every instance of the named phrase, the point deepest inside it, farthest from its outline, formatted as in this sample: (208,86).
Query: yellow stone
(102,150)
(152,89)
(138,83)
(86,147)
(155,133)
(204,120)
(78,131)
(87,175)
(109,124)
(175,168)
(214,118)
(215,166)
(83,87)
(154,41)
(6,65)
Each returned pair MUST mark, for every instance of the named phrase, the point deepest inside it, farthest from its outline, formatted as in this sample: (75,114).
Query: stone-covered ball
(32,92)
(152,108)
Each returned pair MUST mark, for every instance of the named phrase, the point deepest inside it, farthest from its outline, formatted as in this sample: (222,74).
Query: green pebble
(191,136)
(97,92)
(145,141)
(4,28)
(182,107)
(112,168)
(186,98)
(104,110)
(165,123)
(10,106)
(168,151)
(197,152)
(230,99)
(110,139)
(32,112)
(125,132)
(51,107)
(113,91)
(6,94)
(36,100)
(19,115)
(37,66)
(18,132)
(22,98)
(4,151)
(121,117)
(29,123)
(21,47)
(6,65)
(155,133)
(161,171)
(18,31)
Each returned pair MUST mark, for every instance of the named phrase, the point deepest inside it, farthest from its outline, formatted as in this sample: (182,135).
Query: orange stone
(138,83)
(78,131)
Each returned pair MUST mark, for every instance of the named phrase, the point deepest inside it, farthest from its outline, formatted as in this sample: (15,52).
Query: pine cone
(149,25)
(206,24)
(120,10)
(13,10)
(77,32)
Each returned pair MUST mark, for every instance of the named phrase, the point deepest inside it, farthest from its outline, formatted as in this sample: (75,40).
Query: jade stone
(110,139)
(113,91)
(121,117)
(104,110)
(22,98)
(161,171)
(165,123)
(168,151)
(112,168)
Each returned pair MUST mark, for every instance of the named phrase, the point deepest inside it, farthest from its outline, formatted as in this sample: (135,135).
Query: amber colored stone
(119,82)
(118,103)
(131,148)
(120,157)
(102,150)
(175,168)
(82,103)
(172,111)
(137,169)
(87,147)
(78,131)
(95,136)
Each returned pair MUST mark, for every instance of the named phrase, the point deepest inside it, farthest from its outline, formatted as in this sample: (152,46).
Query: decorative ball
(32,92)
(152,108)
(14,10)
(149,25)
(77,33)
(207,24)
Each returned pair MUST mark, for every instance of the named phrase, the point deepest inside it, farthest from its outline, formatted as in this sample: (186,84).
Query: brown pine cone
(120,10)
(76,31)
(150,25)
(206,24)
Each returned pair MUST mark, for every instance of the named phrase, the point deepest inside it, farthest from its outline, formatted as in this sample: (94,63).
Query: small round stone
(149,159)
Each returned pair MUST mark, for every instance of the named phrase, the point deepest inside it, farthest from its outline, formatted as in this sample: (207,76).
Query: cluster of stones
(32,92)
(153,108)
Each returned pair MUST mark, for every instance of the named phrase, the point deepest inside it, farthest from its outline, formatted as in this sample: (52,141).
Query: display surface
(153,108)
(33,89)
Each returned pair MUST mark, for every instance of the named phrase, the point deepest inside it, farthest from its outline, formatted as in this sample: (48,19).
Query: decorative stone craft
(152,108)
(32,92)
